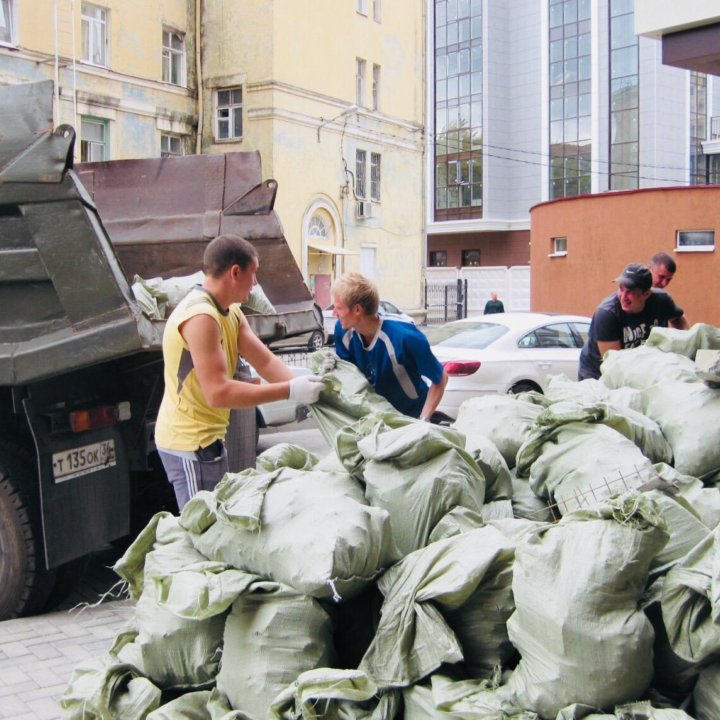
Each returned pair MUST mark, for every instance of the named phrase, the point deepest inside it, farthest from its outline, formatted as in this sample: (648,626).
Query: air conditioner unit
(363,209)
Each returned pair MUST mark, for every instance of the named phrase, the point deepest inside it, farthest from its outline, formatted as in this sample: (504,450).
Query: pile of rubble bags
(546,557)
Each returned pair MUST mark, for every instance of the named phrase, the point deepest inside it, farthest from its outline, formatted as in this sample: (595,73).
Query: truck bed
(72,242)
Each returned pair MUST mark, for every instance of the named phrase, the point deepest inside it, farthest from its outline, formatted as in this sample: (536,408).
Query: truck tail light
(455,368)
(99,417)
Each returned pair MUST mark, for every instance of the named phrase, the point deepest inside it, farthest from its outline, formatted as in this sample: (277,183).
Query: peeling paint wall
(128,94)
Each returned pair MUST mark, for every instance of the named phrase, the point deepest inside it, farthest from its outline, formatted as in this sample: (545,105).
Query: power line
(545,160)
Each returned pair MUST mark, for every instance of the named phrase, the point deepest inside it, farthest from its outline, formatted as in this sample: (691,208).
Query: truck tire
(25,585)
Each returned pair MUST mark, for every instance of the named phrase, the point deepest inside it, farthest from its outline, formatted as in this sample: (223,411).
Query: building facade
(124,72)
(331,94)
(535,101)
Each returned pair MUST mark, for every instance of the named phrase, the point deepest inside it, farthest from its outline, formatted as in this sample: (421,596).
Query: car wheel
(523,386)
(316,341)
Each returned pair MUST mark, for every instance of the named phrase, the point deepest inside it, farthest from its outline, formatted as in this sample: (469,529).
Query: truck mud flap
(84,489)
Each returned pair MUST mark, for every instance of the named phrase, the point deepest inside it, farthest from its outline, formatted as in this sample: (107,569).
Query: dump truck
(80,362)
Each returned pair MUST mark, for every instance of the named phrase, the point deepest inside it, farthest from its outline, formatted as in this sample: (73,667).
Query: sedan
(506,353)
(385,308)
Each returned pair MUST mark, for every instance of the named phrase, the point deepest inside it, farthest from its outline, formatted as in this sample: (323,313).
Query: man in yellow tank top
(202,340)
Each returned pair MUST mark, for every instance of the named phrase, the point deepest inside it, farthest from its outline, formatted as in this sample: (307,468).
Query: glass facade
(624,97)
(570,97)
(458,109)
(698,126)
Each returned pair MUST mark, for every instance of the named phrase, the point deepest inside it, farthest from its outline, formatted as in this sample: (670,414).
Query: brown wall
(496,248)
(605,232)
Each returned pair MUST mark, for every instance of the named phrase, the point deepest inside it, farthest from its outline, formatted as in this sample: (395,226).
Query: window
(458,84)
(698,126)
(470,258)
(375,177)
(624,98)
(377,10)
(229,114)
(362,7)
(359,82)
(7,22)
(570,95)
(360,165)
(317,229)
(376,88)
(93,23)
(550,336)
(438,258)
(694,240)
(171,145)
(94,146)
(173,57)
(559,246)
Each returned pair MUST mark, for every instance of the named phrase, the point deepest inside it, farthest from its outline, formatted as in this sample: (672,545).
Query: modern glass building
(541,99)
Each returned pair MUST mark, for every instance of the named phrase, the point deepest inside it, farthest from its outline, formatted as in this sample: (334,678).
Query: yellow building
(124,71)
(331,94)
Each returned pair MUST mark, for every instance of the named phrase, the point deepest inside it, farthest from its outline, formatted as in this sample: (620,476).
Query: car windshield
(466,335)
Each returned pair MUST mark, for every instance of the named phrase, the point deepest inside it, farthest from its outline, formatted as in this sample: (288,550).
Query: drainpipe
(199,76)
(56,109)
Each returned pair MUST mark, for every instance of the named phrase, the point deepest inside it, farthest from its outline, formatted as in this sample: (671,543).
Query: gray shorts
(193,471)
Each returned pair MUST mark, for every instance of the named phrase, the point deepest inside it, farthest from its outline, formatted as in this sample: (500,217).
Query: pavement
(39,653)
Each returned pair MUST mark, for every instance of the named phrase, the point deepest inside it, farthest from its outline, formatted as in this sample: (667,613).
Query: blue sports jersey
(394,363)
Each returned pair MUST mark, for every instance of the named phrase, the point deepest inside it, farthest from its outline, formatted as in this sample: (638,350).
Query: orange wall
(607,231)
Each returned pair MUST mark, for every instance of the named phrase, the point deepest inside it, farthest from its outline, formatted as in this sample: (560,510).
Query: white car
(386,308)
(506,353)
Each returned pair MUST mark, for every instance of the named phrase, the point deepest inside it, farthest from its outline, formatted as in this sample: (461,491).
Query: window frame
(172,54)
(85,143)
(438,258)
(465,255)
(169,138)
(360,70)
(377,11)
(559,246)
(375,177)
(232,108)
(90,21)
(694,248)
(362,7)
(361,174)
(375,86)
(11,20)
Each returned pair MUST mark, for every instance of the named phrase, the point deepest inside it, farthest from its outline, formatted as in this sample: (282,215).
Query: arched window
(318,229)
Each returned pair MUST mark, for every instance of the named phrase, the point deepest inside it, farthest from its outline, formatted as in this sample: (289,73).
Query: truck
(81,370)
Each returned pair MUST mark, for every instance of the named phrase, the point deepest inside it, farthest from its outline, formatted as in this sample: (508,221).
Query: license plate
(72,463)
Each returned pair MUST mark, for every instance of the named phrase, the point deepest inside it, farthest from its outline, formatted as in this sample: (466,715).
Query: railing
(445,300)
(295,357)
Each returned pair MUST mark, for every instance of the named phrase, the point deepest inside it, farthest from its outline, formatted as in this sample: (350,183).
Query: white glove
(328,362)
(306,389)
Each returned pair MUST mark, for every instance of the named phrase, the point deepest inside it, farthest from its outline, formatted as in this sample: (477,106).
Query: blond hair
(355,289)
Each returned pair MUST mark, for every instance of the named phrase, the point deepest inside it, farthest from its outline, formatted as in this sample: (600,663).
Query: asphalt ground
(39,653)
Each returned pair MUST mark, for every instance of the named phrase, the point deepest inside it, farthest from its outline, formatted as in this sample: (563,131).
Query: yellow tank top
(185,420)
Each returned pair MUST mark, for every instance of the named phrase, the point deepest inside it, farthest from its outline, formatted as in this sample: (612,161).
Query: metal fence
(295,357)
(445,300)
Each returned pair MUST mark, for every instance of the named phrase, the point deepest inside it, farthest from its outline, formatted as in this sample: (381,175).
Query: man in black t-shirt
(624,319)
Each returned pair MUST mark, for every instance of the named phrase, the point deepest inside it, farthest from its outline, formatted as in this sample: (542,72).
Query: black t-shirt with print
(610,322)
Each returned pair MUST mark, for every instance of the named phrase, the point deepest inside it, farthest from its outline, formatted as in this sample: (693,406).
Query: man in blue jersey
(393,355)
